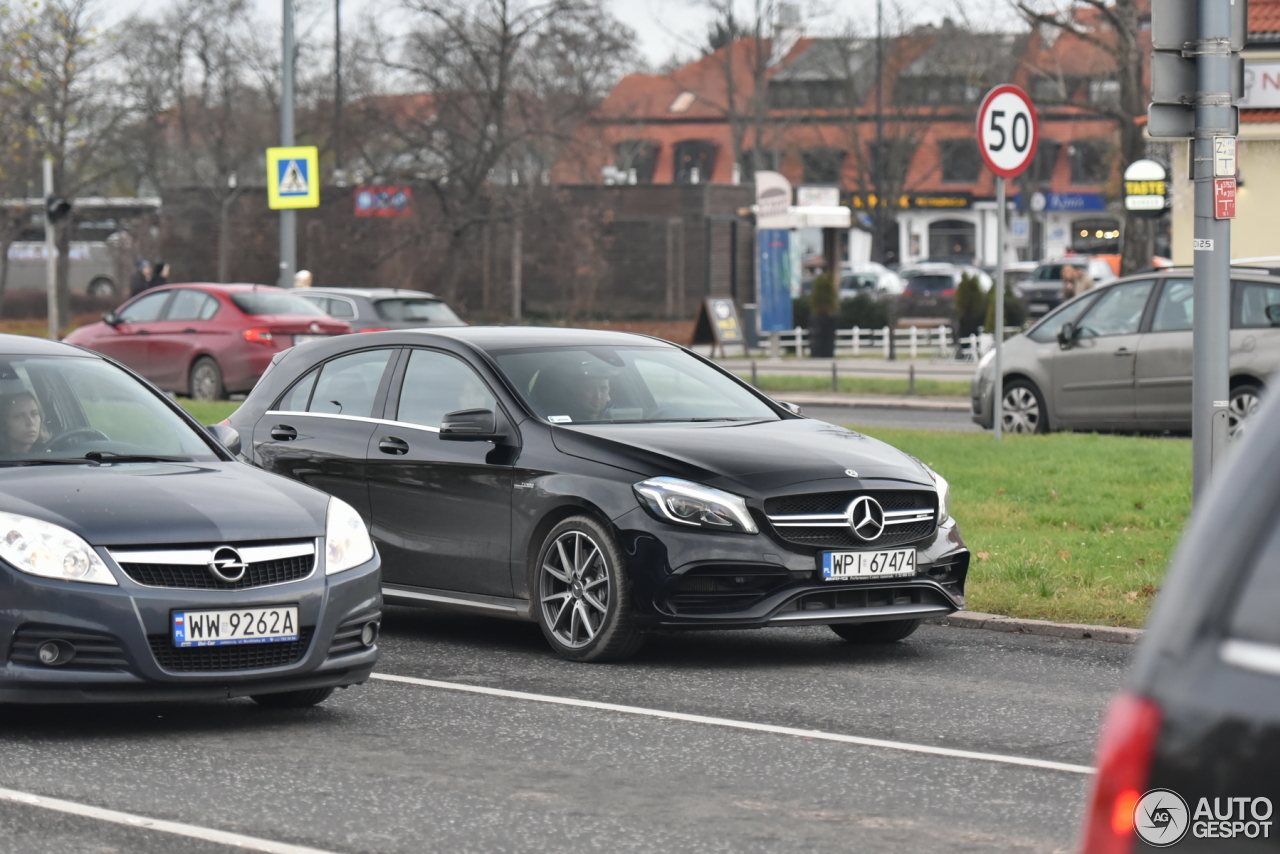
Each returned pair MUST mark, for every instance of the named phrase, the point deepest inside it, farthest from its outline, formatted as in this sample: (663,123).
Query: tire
(293,699)
(886,631)
(205,380)
(1243,405)
(101,287)
(1023,409)
(583,594)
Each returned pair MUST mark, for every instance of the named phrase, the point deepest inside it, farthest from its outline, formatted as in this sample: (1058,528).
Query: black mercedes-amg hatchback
(139,560)
(605,485)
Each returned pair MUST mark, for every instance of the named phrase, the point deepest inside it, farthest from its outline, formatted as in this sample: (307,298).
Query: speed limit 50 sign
(1007,130)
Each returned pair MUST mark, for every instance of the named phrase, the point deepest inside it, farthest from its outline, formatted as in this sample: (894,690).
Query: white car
(871,277)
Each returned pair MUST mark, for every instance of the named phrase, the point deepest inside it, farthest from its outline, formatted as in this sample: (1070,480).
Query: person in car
(23,423)
(574,391)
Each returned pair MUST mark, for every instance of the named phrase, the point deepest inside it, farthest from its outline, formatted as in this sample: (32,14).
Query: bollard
(911,380)
(835,380)
(753,374)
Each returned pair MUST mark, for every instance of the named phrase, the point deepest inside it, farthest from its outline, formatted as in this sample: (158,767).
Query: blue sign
(774,247)
(292,177)
(1074,202)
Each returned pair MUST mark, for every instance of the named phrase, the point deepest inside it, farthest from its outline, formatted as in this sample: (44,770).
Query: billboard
(775,263)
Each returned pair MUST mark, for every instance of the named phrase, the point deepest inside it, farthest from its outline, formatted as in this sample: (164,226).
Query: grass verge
(209,411)
(858,385)
(1070,527)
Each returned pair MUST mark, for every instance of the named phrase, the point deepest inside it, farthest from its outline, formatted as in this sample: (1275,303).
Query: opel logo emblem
(227,565)
(866,518)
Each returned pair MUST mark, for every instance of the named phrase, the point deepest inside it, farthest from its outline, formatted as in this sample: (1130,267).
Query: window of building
(891,159)
(638,154)
(961,161)
(1090,161)
(1044,162)
(694,161)
(952,240)
(822,165)
(759,158)
(683,102)
(1104,92)
(937,90)
(812,94)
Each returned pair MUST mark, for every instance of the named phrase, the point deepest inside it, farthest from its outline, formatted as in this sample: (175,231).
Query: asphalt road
(410,767)
(897,418)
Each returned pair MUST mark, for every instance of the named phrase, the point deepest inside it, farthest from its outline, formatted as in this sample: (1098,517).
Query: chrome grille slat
(909,515)
(267,565)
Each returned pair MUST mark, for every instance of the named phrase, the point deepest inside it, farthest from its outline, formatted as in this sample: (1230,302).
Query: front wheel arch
(1046,422)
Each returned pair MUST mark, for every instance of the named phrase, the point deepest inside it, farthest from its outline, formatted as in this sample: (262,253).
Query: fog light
(55,652)
(369,634)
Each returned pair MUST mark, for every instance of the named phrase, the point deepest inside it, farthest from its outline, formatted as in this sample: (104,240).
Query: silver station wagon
(1118,357)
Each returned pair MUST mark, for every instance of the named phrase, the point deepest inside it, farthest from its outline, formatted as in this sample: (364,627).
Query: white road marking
(747,725)
(248,843)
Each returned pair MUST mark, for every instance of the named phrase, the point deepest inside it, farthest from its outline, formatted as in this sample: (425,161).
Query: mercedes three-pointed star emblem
(866,518)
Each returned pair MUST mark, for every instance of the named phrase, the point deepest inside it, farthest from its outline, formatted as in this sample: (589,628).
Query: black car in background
(139,560)
(378,309)
(605,484)
(1189,752)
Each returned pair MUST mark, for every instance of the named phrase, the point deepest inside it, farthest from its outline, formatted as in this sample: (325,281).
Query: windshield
(66,407)
(928,281)
(274,302)
(415,308)
(577,385)
(1052,272)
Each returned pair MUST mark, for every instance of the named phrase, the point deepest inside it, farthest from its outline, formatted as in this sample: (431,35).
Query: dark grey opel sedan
(139,560)
(604,485)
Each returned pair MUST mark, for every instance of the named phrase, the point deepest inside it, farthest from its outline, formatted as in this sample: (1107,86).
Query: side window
(146,309)
(1047,330)
(340,308)
(1255,297)
(1254,618)
(296,398)
(319,302)
(348,385)
(436,384)
(1174,309)
(192,305)
(1118,311)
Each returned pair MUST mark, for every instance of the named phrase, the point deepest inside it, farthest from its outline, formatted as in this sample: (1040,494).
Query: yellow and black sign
(718,324)
(916,201)
(293,177)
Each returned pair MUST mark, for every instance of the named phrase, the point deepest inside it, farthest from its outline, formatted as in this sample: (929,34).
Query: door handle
(283,433)
(392,445)
(189,331)
(142,332)
(1123,351)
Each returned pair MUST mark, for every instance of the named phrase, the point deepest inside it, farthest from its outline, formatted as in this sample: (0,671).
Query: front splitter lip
(772,612)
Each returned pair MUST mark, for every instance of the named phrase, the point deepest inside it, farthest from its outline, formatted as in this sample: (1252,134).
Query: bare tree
(16,104)
(1113,28)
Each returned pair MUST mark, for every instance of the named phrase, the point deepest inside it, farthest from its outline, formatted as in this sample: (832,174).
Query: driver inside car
(23,428)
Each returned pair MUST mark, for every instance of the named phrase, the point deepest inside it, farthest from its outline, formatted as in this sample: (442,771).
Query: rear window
(275,302)
(415,308)
(928,282)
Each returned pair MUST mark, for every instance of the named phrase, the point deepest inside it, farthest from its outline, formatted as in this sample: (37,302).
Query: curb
(877,401)
(1073,631)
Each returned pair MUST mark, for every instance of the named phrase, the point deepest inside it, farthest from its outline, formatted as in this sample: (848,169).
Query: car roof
(373,293)
(27,345)
(508,337)
(234,287)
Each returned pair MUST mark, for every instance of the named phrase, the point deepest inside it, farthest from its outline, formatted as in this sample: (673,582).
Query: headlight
(346,539)
(944,493)
(686,503)
(49,551)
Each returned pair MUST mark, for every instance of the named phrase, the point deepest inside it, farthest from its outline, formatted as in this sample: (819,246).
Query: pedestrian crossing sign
(293,177)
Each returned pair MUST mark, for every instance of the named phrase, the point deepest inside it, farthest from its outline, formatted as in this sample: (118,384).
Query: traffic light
(1174,44)
(56,209)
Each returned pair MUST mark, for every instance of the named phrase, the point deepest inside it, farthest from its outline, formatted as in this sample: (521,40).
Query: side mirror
(1066,335)
(471,425)
(111,319)
(1273,314)
(793,408)
(228,436)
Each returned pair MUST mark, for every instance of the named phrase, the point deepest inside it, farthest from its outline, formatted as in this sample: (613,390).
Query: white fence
(910,342)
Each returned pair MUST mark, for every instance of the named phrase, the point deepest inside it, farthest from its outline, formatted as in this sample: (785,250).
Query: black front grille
(214,659)
(824,537)
(94,651)
(188,577)
(722,589)
(866,597)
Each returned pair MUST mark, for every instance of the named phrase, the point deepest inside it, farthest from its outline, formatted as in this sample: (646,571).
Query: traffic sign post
(1008,132)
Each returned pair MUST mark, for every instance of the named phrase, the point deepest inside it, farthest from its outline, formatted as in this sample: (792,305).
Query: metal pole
(1210,380)
(517,258)
(337,84)
(997,395)
(288,218)
(50,253)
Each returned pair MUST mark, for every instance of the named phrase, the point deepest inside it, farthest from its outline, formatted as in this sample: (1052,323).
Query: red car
(206,341)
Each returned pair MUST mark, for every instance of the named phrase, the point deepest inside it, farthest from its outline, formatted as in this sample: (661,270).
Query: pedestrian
(1070,276)
(141,279)
(302,279)
(160,276)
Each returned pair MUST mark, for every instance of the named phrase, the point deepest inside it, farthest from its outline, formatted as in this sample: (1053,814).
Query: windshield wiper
(51,461)
(113,457)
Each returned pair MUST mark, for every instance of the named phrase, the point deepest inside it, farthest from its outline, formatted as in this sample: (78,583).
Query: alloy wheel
(1244,403)
(1021,412)
(205,382)
(574,589)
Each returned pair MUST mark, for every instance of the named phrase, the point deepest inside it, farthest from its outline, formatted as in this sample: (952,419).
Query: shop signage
(1146,188)
(917,201)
